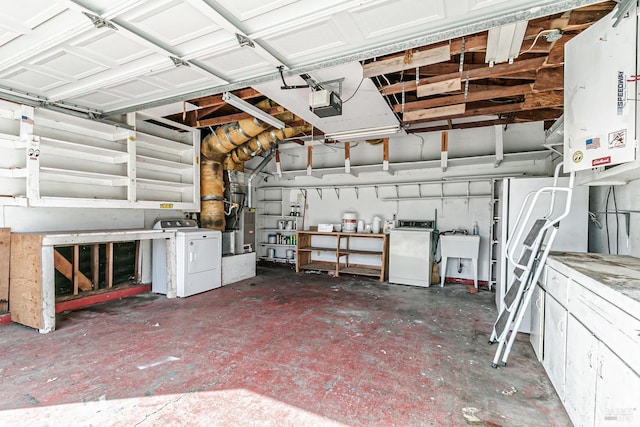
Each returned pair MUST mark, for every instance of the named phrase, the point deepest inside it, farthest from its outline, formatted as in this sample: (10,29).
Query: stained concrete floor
(280,349)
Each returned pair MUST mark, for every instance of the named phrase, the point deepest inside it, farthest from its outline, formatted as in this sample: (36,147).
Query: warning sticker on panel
(601,161)
(618,139)
(592,143)
(577,157)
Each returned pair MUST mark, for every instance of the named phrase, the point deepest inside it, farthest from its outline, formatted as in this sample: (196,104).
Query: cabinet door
(537,321)
(617,391)
(580,387)
(555,328)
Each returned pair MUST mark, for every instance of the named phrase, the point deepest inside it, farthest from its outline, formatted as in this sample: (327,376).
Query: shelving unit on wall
(274,219)
(53,159)
(335,252)
(494,234)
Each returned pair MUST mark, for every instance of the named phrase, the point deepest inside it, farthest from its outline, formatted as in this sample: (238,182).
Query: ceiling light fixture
(363,133)
(243,105)
(504,42)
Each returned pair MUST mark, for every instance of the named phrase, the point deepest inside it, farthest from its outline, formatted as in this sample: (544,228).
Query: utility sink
(459,246)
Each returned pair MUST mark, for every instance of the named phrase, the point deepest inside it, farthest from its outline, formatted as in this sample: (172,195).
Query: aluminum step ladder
(532,255)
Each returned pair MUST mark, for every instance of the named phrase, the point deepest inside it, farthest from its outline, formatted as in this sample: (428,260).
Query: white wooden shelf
(156,184)
(152,163)
(13,172)
(81,177)
(151,167)
(82,151)
(155,143)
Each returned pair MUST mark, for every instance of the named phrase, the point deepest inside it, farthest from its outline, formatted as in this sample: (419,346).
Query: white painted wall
(627,198)
(451,213)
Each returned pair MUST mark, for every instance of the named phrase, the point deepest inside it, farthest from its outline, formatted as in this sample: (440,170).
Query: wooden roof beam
(217,121)
(215,100)
(487,72)
(480,95)
(532,101)
(465,125)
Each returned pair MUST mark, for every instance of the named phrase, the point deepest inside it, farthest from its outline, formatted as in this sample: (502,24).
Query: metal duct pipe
(211,195)
(215,150)
(227,137)
(261,143)
(253,175)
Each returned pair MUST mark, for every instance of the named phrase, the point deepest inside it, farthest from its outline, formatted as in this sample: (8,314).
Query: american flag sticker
(593,143)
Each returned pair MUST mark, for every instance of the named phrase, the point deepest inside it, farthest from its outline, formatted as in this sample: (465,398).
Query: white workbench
(32,300)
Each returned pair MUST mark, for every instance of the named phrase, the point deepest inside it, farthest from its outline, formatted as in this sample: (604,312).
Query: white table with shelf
(32,298)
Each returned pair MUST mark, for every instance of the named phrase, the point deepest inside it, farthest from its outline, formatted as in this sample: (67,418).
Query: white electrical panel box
(600,76)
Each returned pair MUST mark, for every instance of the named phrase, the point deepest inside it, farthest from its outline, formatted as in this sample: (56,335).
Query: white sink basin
(459,246)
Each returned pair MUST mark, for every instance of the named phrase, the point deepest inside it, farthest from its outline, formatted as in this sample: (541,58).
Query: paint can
(271,253)
(272,238)
(289,253)
(349,221)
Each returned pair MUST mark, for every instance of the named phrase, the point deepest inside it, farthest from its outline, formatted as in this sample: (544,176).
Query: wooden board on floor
(25,297)
(5,253)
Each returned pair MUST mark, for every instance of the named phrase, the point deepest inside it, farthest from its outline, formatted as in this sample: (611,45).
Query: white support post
(347,158)
(499,138)
(444,150)
(131,162)
(278,165)
(309,160)
(385,154)
(33,168)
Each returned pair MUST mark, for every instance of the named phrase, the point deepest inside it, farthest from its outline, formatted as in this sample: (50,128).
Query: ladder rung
(512,293)
(501,323)
(534,232)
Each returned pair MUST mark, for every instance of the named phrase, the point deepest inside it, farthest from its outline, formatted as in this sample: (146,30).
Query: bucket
(377,225)
(349,221)
(289,253)
(271,253)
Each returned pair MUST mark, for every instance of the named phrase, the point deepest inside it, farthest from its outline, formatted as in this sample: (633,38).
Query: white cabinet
(581,365)
(617,391)
(603,389)
(537,321)
(555,350)
(591,339)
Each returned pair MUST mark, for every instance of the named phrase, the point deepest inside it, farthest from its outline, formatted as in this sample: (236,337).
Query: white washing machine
(411,253)
(198,258)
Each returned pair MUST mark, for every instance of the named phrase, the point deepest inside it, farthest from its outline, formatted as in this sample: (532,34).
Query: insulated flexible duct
(215,149)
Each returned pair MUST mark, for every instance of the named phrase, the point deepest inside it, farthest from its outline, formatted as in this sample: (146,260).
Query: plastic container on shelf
(271,238)
(376,225)
(349,222)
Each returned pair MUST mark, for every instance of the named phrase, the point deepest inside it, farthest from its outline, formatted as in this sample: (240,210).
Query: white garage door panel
(50,48)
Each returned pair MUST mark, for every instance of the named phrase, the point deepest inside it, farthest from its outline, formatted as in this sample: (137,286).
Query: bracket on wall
(377,194)
(319,190)
(337,190)
(357,190)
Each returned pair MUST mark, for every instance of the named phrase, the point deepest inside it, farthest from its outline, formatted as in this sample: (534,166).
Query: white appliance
(411,253)
(572,234)
(198,258)
(600,94)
